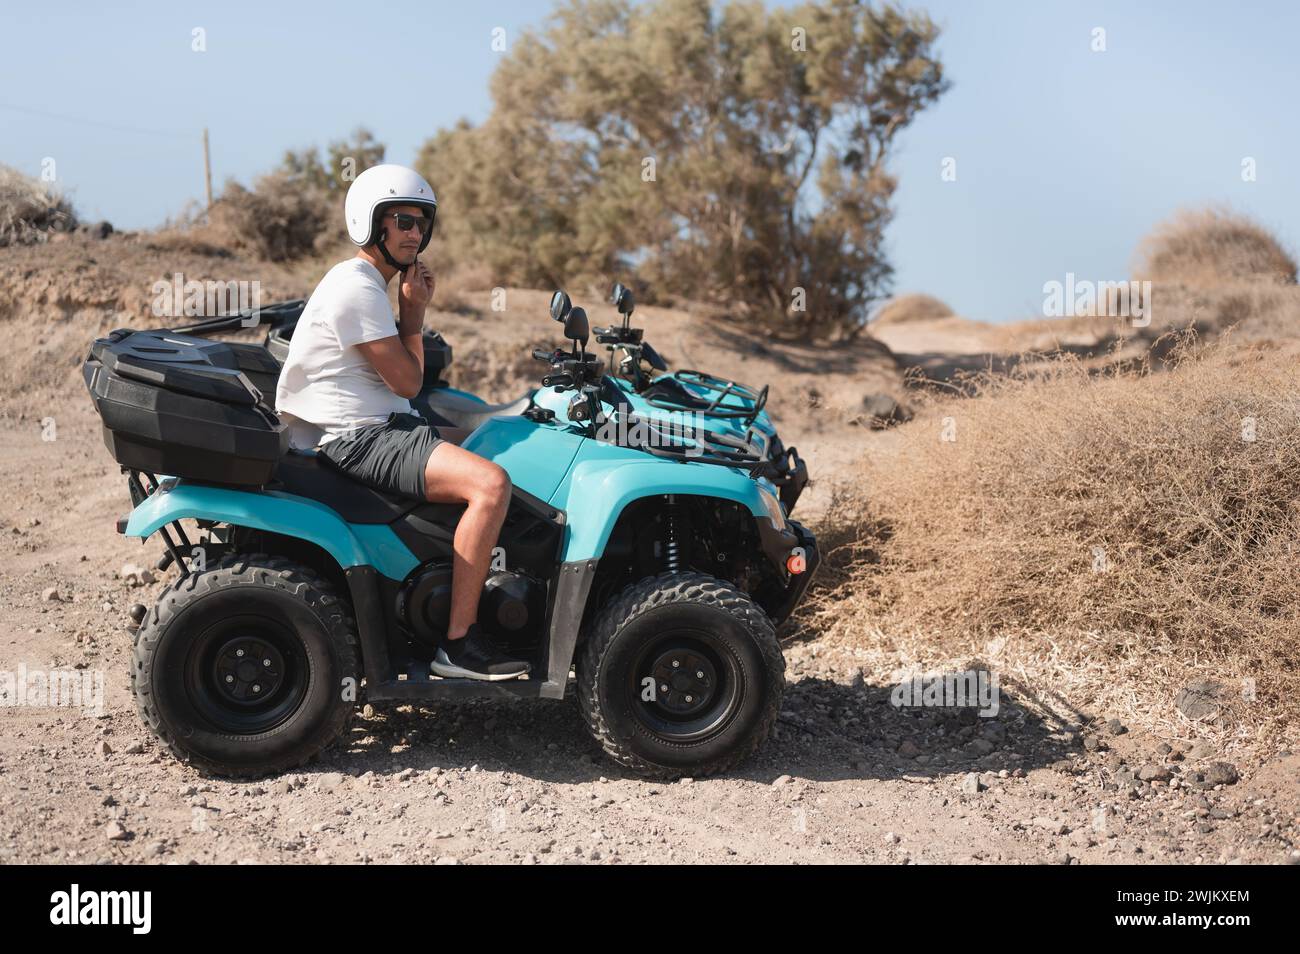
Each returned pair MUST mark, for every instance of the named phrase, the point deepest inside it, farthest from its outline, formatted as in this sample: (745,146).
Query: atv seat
(306,474)
(458,411)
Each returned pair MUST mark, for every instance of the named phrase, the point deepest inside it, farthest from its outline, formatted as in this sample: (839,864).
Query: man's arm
(399,359)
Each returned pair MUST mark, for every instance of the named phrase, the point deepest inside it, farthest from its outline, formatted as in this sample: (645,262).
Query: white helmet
(381,186)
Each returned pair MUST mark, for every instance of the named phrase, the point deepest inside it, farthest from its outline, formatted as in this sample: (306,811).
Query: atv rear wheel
(249,668)
(681,675)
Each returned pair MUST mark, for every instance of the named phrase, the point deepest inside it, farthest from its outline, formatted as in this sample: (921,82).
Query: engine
(511,608)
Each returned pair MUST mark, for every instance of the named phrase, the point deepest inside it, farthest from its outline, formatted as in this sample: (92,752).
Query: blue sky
(1065,157)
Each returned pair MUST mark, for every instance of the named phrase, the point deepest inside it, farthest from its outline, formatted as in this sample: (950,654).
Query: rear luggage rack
(273,315)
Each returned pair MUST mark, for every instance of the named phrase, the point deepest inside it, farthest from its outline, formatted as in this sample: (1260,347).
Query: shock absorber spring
(675,535)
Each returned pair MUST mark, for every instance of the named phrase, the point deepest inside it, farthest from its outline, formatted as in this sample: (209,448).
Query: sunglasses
(405,221)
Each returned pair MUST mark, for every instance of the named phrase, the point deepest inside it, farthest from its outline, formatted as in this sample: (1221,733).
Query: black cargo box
(184,406)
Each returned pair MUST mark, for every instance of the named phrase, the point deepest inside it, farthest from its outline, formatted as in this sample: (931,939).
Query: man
(346,383)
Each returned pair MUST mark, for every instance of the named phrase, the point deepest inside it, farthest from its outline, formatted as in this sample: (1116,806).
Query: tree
(297,208)
(345,159)
(733,154)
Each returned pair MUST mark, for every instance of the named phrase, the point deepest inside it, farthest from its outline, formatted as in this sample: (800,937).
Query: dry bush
(1210,246)
(280,219)
(30,209)
(1121,525)
(909,308)
(464,288)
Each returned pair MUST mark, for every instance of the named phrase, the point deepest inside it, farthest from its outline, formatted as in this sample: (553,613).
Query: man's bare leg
(453,475)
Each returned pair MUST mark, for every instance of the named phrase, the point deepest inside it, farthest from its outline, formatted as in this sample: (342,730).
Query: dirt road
(847,777)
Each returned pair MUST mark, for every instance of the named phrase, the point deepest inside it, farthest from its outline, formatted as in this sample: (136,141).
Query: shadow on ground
(827,731)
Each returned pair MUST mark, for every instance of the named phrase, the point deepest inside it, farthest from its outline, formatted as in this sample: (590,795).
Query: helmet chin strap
(383,250)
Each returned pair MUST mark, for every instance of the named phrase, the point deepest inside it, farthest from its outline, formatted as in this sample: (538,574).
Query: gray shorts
(390,456)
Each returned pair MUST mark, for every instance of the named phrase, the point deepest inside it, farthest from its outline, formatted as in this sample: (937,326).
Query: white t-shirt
(327,386)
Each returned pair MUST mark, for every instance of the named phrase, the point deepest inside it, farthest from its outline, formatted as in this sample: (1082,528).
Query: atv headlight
(774,508)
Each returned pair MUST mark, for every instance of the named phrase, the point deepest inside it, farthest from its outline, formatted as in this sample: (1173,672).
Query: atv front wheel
(681,675)
(249,668)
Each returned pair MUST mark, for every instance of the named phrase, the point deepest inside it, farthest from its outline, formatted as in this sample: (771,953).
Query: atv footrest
(426,687)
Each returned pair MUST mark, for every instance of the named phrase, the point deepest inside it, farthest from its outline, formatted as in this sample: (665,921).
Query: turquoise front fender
(605,479)
(349,544)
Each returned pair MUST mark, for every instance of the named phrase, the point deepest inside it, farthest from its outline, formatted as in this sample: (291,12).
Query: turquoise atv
(732,411)
(642,567)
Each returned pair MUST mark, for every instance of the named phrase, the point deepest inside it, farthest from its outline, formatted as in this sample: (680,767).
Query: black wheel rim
(246,674)
(685,686)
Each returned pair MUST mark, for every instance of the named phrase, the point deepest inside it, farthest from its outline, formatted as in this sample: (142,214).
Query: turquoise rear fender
(350,544)
(606,479)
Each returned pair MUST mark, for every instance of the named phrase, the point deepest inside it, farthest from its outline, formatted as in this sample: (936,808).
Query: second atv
(642,569)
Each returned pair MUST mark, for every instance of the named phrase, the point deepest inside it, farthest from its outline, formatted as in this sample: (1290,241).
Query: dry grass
(1212,246)
(1110,537)
(30,210)
(909,308)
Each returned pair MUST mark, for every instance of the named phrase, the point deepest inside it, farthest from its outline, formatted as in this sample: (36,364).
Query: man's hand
(416,288)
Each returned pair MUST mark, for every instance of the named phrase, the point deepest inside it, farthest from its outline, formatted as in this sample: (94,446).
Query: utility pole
(207,167)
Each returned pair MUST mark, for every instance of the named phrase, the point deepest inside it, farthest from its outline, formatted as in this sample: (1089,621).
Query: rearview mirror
(621,296)
(560,306)
(576,327)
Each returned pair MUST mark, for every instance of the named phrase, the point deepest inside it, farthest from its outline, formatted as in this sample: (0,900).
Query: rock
(1221,773)
(1201,750)
(982,746)
(1050,825)
(971,784)
(1154,773)
(51,595)
(447,860)
(97,230)
(135,748)
(1115,727)
(329,781)
(908,749)
(103,748)
(781,780)
(884,411)
(1199,701)
(1094,744)
(891,838)
(134,575)
(115,832)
